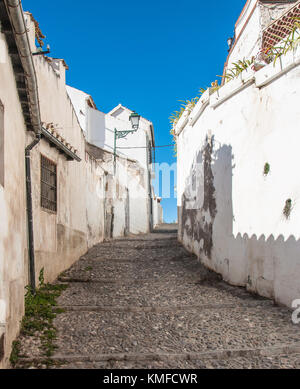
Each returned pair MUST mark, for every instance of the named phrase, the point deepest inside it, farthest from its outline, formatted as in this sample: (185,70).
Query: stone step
(154,292)
(132,272)
(137,270)
(155,237)
(239,327)
(120,281)
(136,240)
(111,259)
(165,231)
(157,309)
(277,350)
(137,245)
(134,250)
(137,254)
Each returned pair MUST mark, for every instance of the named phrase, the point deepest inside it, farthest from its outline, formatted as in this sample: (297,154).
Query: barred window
(48,184)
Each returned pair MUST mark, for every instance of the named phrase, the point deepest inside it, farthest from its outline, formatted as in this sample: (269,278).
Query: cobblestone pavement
(145,302)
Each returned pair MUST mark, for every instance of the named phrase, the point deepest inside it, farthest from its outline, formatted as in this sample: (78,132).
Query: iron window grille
(48,184)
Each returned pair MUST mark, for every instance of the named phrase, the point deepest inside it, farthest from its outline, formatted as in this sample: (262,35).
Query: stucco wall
(131,198)
(133,146)
(157,213)
(99,128)
(249,28)
(126,197)
(95,197)
(61,237)
(230,213)
(248,34)
(13,258)
(135,176)
(93,202)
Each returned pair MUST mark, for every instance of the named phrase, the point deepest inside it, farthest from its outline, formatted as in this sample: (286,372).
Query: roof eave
(70,155)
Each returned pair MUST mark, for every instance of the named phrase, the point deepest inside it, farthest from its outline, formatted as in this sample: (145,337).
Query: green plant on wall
(186,106)
(15,352)
(271,54)
(40,312)
(267,169)
(237,69)
(287,208)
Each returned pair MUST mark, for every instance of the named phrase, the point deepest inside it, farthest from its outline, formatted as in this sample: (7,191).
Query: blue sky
(146,55)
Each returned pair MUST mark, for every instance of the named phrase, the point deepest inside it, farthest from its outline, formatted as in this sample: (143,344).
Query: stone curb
(113,280)
(82,308)
(153,239)
(100,259)
(284,349)
(140,248)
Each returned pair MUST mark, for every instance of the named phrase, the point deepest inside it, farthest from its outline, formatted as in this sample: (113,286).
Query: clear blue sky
(146,55)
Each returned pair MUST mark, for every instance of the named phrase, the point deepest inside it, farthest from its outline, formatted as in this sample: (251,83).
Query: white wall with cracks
(255,17)
(92,201)
(13,239)
(230,212)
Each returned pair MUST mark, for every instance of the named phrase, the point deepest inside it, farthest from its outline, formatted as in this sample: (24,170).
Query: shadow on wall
(264,265)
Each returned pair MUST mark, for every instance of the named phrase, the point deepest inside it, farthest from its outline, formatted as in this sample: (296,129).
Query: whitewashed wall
(230,214)
(134,145)
(158,218)
(99,128)
(100,131)
(96,122)
(248,34)
(84,202)
(95,201)
(256,16)
(125,196)
(79,100)
(132,191)
(13,242)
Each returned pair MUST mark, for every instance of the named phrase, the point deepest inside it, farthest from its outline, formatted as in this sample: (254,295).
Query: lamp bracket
(123,134)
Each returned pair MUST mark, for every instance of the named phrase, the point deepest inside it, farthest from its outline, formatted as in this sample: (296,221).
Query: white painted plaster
(254,245)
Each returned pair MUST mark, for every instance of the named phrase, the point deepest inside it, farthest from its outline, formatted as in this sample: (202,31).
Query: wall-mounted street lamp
(135,123)
(230,43)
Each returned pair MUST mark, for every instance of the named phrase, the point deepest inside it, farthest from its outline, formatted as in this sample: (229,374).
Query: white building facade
(238,195)
(66,195)
(99,129)
(250,27)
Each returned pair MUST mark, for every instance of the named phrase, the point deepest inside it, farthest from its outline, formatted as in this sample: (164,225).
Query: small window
(48,184)
(1,144)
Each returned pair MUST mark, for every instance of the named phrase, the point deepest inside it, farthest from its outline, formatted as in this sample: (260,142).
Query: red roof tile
(278,30)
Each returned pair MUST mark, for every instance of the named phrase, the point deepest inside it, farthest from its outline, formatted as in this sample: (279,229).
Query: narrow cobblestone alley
(145,302)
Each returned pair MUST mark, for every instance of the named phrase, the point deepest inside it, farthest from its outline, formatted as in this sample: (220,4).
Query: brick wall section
(278,30)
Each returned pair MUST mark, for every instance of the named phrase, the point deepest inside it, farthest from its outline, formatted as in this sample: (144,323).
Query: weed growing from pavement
(40,311)
(15,352)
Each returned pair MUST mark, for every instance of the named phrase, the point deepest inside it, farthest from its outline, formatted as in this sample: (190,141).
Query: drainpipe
(30,213)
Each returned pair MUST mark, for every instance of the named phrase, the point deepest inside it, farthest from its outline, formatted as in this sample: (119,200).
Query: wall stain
(194,221)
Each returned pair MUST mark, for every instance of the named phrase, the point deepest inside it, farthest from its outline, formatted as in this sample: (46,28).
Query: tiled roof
(51,134)
(278,30)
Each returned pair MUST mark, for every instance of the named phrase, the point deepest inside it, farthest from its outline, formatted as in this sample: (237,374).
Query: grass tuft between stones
(40,311)
(15,352)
